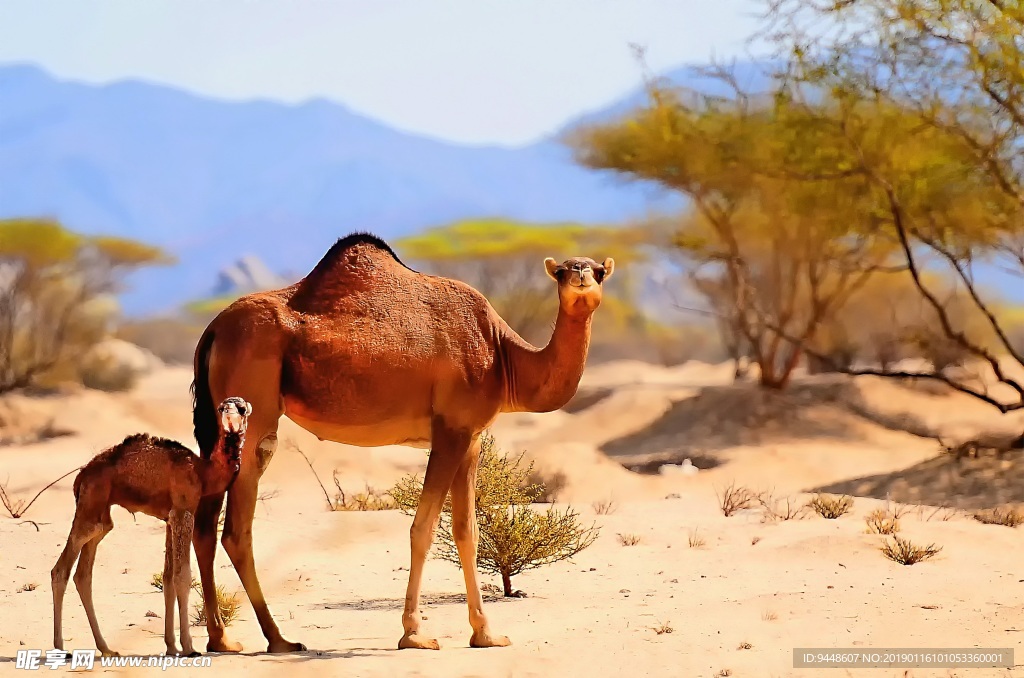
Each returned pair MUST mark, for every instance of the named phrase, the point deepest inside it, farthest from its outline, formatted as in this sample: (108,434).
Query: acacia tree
(56,290)
(502,260)
(947,79)
(786,254)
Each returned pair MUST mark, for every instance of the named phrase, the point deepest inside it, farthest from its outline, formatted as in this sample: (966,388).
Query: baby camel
(158,477)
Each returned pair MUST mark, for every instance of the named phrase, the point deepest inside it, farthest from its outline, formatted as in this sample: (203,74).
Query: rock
(116,365)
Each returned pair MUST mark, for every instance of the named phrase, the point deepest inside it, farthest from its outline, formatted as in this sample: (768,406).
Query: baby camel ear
(248,408)
(609,266)
(551,266)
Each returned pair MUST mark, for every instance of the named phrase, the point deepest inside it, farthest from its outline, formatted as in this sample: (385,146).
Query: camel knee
(236,545)
(462,531)
(421,536)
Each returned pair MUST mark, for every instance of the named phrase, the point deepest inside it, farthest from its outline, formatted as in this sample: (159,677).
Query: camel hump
(352,247)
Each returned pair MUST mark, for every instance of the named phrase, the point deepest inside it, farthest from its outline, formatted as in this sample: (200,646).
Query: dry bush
(629,539)
(942,513)
(744,646)
(828,506)
(695,541)
(1010,516)
(904,552)
(157,582)
(733,499)
(107,372)
(785,508)
(550,486)
(227,604)
(769,615)
(604,507)
(25,588)
(880,521)
(513,536)
(14,507)
(171,340)
(370,499)
(663,628)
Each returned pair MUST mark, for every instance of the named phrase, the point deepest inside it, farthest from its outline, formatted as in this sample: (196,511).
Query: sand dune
(336,581)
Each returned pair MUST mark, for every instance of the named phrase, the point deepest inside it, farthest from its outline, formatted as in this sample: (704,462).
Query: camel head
(579,282)
(234,415)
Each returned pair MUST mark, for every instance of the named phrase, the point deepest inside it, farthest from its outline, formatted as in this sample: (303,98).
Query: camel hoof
(223,646)
(283,645)
(109,653)
(194,653)
(487,640)
(418,642)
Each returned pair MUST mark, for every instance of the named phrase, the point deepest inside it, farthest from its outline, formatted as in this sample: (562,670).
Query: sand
(737,604)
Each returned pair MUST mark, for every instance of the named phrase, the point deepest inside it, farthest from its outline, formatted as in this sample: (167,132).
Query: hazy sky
(476,71)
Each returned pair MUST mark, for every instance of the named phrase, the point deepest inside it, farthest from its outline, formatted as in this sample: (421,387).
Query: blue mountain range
(214,180)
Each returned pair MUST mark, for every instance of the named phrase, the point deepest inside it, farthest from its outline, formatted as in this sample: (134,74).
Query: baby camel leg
(182,522)
(83,582)
(82,531)
(169,597)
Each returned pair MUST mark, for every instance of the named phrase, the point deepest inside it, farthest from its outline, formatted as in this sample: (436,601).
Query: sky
(472,71)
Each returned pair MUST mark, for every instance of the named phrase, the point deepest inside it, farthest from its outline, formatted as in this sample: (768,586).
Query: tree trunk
(506,581)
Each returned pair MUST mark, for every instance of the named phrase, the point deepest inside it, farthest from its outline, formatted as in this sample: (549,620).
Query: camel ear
(551,266)
(609,267)
(248,408)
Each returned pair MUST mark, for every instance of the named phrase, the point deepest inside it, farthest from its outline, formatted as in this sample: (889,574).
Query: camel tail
(204,415)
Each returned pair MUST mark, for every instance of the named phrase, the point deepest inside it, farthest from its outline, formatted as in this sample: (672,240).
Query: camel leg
(237,537)
(81,533)
(181,523)
(83,582)
(169,593)
(466,534)
(204,538)
(448,449)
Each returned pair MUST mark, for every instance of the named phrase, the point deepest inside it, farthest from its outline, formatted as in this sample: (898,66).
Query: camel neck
(545,379)
(218,471)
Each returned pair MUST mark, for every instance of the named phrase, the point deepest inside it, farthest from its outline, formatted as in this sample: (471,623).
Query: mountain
(213,181)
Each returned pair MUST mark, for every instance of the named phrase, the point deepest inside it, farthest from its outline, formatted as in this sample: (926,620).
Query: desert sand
(736,605)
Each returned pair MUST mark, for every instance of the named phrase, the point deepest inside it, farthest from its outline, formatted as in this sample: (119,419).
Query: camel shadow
(374,604)
(723,417)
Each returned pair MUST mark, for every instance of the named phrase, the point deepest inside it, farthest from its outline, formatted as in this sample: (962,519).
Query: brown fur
(368,352)
(158,477)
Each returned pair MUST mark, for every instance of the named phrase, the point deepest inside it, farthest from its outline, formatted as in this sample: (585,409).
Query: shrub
(882,522)
(106,372)
(1008,516)
(831,507)
(780,509)
(733,499)
(629,539)
(370,499)
(695,541)
(157,582)
(513,536)
(905,553)
(227,604)
(604,507)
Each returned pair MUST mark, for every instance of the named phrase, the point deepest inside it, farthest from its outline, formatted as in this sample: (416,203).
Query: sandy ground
(736,605)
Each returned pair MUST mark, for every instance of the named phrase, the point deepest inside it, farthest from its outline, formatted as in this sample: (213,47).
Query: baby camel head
(234,419)
(579,282)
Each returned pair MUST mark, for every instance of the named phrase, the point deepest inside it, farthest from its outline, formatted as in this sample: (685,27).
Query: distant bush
(882,522)
(106,372)
(902,551)
(170,339)
(830,507)
(60,289)
(513,536)
(1010,517)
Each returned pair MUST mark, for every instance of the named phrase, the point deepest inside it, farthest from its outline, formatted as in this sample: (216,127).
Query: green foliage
(503,260)
(56,295)
(514,537)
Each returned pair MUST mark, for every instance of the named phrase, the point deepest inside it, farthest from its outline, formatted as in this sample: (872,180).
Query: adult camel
(365,351)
